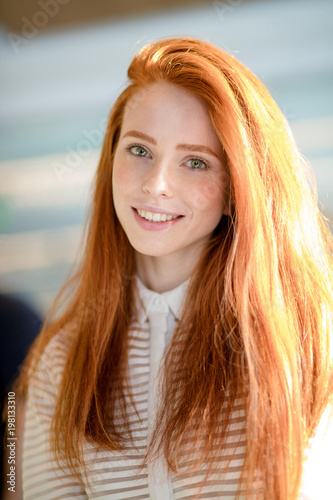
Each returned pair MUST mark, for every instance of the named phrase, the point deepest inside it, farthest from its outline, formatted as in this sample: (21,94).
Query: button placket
(157,471)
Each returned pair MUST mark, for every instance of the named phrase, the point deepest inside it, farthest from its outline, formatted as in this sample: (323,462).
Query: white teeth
(155,217)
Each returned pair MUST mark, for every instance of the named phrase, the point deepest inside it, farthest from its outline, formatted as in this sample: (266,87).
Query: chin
(150,249)
(150,252)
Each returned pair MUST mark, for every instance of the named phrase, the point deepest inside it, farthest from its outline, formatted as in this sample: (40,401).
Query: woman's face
(169,180)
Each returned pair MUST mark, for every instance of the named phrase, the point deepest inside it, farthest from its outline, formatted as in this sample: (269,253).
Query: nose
(157,182)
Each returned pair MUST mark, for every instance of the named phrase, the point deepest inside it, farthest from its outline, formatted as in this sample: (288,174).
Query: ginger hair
(258,315)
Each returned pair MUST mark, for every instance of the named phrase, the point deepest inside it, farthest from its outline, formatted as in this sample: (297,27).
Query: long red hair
(258,315)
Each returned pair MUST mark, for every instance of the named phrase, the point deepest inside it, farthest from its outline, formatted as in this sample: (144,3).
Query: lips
(156,216)
(155,221)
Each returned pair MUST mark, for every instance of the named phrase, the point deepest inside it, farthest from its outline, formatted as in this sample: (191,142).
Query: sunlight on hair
(251,346)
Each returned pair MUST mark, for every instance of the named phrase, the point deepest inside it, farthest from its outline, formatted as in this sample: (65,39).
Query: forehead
(165,108)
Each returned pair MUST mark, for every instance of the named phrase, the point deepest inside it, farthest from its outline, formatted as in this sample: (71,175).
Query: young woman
(193,359)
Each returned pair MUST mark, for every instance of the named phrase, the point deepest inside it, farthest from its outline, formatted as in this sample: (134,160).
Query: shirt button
(158,302)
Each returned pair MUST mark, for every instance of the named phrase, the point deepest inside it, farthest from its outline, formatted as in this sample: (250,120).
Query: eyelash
(129,148)
(196,158)
(205,167)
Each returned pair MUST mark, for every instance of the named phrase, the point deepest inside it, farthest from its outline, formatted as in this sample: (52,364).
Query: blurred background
(62,64)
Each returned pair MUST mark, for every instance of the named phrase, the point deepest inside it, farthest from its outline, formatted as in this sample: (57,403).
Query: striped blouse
(120,475)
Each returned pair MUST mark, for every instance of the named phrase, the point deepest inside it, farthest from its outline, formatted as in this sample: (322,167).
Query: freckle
(210,190)
(207,192)
(213,189)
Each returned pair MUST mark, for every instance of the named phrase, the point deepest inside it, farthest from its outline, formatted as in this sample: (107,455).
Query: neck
(164,273)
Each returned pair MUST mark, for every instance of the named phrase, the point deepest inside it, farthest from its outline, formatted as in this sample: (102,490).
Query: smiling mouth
(156,217)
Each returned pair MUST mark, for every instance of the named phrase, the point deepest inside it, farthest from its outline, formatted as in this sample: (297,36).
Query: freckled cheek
(119,187)
(122,178)
(117,180)
(208,194)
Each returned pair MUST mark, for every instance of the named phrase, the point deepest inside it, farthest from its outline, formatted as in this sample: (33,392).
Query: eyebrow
(140,135)
(198,147)
(180,147)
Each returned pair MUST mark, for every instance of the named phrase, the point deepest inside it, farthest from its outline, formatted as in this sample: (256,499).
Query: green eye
(139,151)
(196,164)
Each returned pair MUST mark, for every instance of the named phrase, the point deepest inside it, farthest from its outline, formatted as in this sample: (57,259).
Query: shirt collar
(146,297)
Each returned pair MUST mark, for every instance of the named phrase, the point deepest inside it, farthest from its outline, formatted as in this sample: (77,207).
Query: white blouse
(120,475)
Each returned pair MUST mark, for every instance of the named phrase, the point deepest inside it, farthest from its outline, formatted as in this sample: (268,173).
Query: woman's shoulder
(60,343)
(53,359)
